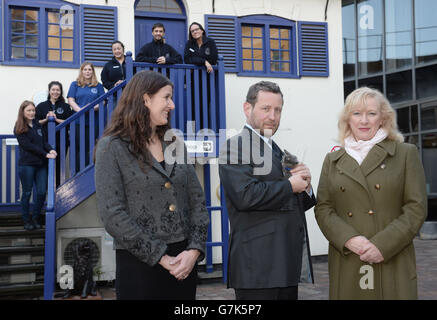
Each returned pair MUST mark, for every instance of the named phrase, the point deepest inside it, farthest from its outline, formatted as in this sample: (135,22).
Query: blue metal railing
(198,97)
(9,180)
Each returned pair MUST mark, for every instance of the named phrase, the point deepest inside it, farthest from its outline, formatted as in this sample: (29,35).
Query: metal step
(21,268)
(20,233)
(13,291)
(10,219)
(21,250)
(21,237)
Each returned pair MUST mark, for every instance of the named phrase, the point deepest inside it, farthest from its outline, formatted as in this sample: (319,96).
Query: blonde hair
(81,82)
(358,98)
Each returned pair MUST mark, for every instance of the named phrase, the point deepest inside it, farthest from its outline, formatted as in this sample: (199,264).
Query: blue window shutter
(1,30)
(99,30)
(313,49)
(223,30)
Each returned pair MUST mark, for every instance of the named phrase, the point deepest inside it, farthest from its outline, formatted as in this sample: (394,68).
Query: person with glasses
(199,49)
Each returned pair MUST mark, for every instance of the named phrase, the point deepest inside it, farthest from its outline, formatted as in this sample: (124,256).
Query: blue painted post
(8,174)
(81,141)
(73,147)
(50,233)
(129,66)
(221,93)
(207,186)
(17,178)
(225,234)
(205,102)
(62,150)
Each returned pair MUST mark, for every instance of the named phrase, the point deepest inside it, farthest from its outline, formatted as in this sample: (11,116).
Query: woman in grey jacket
(153,206)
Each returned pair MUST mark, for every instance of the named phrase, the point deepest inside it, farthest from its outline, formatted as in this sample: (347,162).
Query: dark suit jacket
(268,226)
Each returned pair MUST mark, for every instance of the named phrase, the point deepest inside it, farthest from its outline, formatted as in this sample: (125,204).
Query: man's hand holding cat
(305,174)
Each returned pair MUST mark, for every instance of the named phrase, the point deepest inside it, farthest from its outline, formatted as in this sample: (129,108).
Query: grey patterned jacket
(145,211)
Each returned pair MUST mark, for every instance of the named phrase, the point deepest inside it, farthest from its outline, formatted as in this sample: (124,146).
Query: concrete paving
(426,259)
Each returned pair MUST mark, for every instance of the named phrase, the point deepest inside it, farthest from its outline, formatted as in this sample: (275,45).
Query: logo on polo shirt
(94,90)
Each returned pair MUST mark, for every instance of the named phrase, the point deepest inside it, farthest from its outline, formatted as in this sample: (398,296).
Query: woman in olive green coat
(371,202)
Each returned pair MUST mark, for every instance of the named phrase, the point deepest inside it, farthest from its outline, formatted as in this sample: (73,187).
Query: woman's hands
(367,251)
(208,67)
(180,266)
(52,154)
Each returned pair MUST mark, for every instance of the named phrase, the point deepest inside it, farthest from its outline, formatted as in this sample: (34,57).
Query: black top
(33,148)
(112,72)
(207,52)
(162,164)
(61,109)
(155,49)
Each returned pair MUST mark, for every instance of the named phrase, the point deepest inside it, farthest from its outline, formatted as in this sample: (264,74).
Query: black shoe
(36,224)
(29,226)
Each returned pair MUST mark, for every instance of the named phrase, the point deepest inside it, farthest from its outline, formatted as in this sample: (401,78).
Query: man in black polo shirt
(158,51)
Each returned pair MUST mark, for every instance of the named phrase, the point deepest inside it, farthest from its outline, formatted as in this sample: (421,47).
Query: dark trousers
(136,280)
(30,175)
(288,293)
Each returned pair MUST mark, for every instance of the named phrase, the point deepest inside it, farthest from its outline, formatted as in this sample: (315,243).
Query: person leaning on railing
(114,71)
(199,49)
(32,165)
(55,106)
(82,92)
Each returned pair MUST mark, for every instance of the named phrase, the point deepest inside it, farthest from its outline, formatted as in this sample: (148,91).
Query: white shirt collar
(266,140)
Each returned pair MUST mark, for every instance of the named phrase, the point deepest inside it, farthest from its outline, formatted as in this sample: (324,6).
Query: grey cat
(289,162)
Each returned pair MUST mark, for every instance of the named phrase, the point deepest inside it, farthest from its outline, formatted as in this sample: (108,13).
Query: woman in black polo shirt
(54,106)
(32,165)
(114,71)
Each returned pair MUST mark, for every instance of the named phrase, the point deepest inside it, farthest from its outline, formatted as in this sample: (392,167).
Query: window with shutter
(313,49)
(223,30)
(40,33)
(99,30)
(1,31)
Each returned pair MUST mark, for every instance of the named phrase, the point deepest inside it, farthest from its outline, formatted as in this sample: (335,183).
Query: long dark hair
(21,123)
(189,30)
(56,83)
(131,119)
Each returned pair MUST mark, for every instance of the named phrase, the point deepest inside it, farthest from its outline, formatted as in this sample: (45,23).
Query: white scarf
(359,149)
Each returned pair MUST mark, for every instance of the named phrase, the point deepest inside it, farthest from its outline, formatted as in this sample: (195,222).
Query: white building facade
(46,40)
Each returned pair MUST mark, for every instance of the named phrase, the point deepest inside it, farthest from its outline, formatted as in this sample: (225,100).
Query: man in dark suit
(157,51)
(268,248)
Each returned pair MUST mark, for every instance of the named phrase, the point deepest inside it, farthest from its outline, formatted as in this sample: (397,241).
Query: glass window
(252,39)
(24,33)
(429,159)
(414,139)
(426,81)
(349,43)
(428,116)
(370,39)
(407,119)
(398,26)
(169,6)
(59,37)
(426,30)
(268,48)
(399,86)
(375,83)
(27,42)
(432,209)
(280,50)
(349,86)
